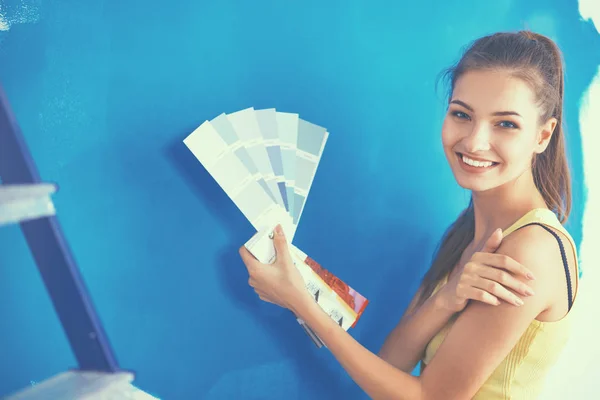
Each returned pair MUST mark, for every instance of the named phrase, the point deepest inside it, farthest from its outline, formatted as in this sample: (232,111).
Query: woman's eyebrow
(497,113)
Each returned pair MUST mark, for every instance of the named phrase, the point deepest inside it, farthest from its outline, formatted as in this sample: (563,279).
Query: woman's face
(491,130)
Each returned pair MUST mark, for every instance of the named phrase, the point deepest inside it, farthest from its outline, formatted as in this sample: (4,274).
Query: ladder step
(24,202)
(84,385)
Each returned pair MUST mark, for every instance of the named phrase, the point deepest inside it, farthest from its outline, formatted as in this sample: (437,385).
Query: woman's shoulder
(535,241)
(544,246)
(540,234)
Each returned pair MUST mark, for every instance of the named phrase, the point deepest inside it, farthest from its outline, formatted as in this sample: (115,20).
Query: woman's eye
(508,124)
(460,114)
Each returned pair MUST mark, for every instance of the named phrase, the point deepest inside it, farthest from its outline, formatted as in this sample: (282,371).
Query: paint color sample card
(278,152)
(235,179)
(287,129)
(267,122)
(246,126)
(310,143)
(224,128)
(341,302)
(266,162)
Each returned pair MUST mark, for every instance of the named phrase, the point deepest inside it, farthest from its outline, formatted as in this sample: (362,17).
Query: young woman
(492,313)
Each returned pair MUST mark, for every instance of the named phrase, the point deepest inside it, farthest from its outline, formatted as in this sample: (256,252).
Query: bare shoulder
(539,250)
(483,334)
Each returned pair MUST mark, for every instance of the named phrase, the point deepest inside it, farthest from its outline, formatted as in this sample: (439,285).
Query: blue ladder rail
(53,257)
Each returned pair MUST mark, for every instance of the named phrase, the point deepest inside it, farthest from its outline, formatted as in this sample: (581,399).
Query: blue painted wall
(105,91)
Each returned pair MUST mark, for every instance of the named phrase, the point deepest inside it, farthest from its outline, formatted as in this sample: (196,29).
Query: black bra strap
(564,259)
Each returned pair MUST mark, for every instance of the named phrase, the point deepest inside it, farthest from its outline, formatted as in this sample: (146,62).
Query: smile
(475,165)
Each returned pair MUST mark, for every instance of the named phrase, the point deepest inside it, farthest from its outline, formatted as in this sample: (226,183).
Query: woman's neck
(502,206)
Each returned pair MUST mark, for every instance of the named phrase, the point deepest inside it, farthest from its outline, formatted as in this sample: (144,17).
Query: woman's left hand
(278,283)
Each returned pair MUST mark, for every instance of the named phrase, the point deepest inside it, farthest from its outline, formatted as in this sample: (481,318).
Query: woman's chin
(475,185)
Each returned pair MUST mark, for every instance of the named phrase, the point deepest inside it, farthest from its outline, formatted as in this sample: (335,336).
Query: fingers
(249,260)
(267,300)
(263,296)
(493,242)
(488,292)
(495,278)
(473,293)
(281,246)
(498,291)
(252,264)
(503,261)
(506,280)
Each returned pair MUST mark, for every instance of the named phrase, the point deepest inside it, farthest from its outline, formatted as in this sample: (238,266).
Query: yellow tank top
(521,374)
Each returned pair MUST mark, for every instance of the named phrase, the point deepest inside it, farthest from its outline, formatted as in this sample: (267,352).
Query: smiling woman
(486,136)
(493,312)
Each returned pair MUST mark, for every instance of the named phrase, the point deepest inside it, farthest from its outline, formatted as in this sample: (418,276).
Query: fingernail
(530,276)
(519,302)
(529,292)
(279,230)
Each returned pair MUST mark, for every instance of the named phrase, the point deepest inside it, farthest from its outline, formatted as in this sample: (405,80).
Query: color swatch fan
(265,161)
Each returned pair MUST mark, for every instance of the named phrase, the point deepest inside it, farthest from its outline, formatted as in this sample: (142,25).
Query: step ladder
(26,200)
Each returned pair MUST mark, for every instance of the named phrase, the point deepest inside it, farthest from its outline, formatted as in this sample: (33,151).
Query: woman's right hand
(486,277)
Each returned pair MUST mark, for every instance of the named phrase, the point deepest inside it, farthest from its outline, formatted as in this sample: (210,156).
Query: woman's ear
(545,134)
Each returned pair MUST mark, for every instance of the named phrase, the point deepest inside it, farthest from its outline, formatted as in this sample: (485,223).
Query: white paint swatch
(287,127)
(267,122)
(265,160)
(310,144)
(246,126)
(235,179)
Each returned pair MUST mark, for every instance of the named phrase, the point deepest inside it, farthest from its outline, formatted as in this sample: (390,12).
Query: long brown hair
(537,60)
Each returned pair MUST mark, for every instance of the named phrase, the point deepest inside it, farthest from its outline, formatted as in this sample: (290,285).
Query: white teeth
(474,163)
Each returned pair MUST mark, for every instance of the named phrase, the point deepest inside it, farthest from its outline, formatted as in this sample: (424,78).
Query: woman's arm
(405,345)
(479,340)
(378,378)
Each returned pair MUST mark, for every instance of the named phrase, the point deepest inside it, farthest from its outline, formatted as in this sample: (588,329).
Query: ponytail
(550,168)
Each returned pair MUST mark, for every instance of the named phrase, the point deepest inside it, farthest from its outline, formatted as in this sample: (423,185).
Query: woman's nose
(478,139)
